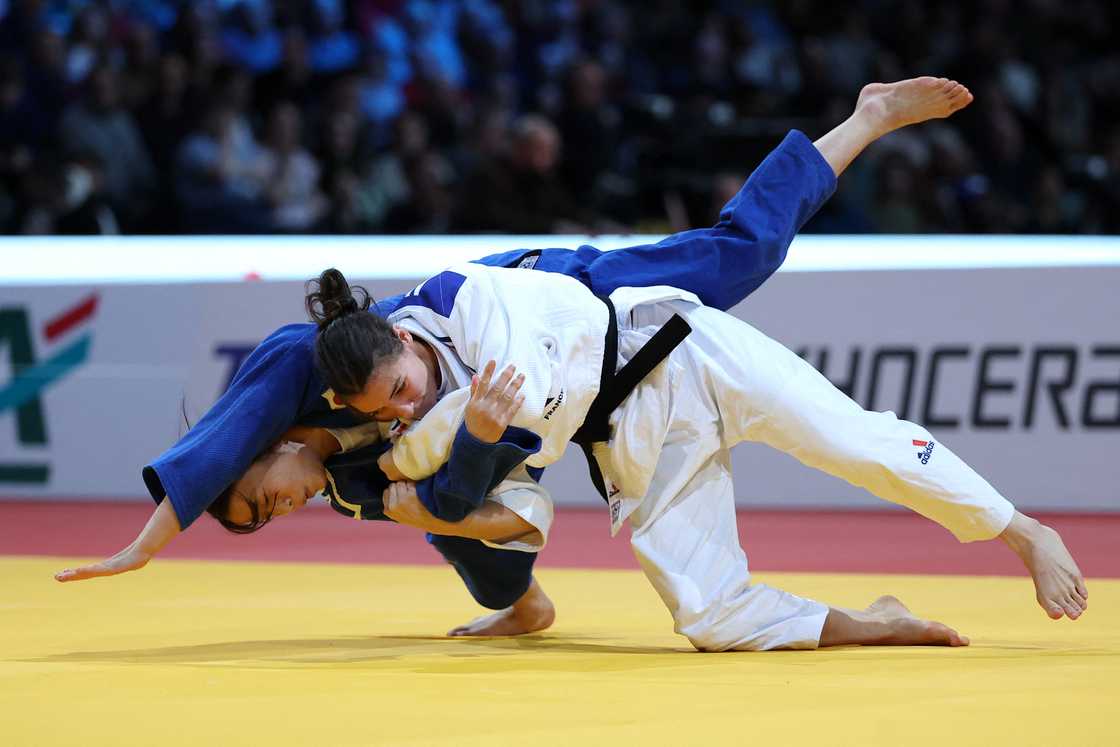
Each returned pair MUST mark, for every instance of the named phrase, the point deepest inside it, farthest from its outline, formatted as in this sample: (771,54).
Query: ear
(402,334)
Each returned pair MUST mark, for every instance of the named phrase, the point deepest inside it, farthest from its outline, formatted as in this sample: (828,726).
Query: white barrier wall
(1009,350)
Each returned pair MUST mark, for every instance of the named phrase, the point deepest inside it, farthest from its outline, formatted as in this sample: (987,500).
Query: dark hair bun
(331,297)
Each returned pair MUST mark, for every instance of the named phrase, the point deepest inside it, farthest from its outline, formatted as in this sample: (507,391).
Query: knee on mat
(714,640)
(712,637)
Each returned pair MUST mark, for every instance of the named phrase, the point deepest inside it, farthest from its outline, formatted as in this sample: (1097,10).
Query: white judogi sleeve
(426,445)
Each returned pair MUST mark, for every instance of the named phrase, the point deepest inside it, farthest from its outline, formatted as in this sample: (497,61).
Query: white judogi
(667,464)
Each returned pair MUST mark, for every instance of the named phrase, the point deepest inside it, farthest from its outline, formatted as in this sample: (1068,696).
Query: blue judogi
(277,386)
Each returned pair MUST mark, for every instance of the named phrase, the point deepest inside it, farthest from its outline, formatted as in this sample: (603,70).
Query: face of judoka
(247,493)
(405,388)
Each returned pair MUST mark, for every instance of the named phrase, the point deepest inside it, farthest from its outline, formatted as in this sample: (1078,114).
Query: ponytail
(330,298)
(352,342)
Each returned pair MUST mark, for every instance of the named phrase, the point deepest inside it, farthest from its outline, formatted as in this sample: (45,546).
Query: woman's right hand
(160,529)
(132,558)
(493,405)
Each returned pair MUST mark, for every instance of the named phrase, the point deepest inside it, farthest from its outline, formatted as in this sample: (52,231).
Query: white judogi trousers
(728,383)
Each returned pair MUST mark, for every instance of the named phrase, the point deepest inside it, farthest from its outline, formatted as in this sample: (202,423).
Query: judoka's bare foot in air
(885,622)
(532,612)
(1059,586)
(889,106)
(885,107)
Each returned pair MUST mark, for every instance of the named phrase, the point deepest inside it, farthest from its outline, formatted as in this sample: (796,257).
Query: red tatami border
(814,541)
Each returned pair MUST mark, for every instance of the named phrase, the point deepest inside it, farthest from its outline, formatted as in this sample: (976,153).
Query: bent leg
(685,539)
(766,393)
(724,264)
(500,580)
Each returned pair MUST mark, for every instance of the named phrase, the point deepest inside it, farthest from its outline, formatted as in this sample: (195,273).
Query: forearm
(491,521)
(161,528)
(319,440)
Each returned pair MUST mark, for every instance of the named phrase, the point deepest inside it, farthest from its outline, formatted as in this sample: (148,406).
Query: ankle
(535,610)
(1021,533)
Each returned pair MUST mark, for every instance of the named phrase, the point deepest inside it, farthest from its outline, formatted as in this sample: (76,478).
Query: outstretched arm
(160,529)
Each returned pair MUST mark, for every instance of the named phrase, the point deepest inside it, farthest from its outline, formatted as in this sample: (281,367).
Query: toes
(1069,609)
(1052,609)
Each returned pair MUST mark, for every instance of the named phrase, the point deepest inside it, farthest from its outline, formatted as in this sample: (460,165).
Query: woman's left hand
(403,506)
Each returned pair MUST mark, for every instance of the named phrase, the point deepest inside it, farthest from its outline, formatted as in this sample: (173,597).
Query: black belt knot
(615,387)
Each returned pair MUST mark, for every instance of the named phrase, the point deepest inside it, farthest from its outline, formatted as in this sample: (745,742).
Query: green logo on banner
(30,378)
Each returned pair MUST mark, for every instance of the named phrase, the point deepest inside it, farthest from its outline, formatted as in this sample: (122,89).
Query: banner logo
(67,339)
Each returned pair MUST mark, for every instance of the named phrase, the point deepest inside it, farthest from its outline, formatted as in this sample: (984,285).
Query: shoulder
(292,344)
(440,294)
(291,336)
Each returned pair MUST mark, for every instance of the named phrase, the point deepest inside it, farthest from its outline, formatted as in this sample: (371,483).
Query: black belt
(615,387)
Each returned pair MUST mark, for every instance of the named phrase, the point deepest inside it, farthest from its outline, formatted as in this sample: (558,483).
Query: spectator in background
(249,39)
(344,166)
(381,95)
(522,193)
(89,42)
(46,75)
(292,80)
(165,119)
(67,198)
(291,174)
(140,76)
(221,173)
(21,138)
(650,99)
(195,37)
(22,124)
(387,184)
(334,48)
(99,125)
(587,119)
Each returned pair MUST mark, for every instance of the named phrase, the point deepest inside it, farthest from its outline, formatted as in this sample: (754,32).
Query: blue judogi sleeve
(263,400)
(724,264)
(473,470)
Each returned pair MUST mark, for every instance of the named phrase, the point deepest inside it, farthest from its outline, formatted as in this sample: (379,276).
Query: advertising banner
(1016,369)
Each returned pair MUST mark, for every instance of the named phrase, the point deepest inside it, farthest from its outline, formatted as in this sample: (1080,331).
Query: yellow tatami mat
(203,653)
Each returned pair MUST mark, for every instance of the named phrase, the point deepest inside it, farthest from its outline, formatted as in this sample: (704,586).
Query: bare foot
(885,622)
(911,631)
(889,605)
(889,106)
(1059,586)
(532,612)
(908,630)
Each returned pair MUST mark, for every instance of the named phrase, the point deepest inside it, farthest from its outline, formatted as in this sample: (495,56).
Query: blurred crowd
(539,116)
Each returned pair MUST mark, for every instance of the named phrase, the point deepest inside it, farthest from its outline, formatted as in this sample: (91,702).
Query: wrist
(482,434)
